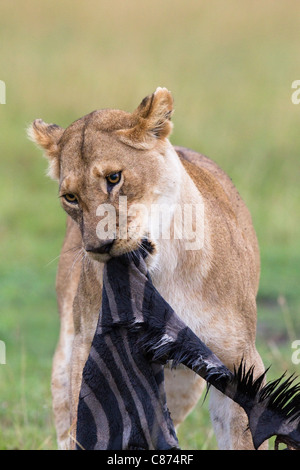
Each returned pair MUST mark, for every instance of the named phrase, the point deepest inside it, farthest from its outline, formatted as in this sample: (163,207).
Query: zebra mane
(282,396)
(273,408)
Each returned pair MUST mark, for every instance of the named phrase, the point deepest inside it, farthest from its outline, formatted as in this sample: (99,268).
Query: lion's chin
(101,258)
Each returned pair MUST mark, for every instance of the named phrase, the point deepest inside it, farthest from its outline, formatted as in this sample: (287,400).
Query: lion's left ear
(151,120)
(47,136)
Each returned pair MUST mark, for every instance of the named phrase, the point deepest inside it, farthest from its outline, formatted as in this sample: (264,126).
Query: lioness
(111,153)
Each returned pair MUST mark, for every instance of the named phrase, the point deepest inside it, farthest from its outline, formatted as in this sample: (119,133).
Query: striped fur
(122,403)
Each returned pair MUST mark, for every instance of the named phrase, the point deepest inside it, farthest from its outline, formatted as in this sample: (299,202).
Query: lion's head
(111,166)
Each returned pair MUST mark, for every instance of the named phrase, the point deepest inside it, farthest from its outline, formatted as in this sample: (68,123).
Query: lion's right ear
(47,136)
(151,121)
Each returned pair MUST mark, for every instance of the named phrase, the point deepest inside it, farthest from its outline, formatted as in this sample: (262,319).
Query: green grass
(230,69)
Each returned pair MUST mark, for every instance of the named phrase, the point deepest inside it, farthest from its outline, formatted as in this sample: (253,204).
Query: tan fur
(213,288)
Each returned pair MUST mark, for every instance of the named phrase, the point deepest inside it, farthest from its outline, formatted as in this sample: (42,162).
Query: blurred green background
(230,66)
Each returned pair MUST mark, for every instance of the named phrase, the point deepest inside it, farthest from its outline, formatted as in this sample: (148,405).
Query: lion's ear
(151,120)
(47,136)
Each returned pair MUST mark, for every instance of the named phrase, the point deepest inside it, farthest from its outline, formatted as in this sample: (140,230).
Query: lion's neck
(184,241)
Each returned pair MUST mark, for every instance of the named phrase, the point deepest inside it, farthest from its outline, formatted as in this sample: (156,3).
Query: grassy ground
(230,68)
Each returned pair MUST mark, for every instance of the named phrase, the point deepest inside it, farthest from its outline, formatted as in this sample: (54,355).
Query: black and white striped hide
(122,403)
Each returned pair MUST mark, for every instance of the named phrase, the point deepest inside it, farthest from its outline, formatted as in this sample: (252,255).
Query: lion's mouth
(114,248)
(101,249)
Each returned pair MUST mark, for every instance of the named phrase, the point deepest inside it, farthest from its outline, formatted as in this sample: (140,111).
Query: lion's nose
(103,247)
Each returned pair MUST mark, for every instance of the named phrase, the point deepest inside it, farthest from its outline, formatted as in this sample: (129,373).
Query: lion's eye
(71,198)
(114,178)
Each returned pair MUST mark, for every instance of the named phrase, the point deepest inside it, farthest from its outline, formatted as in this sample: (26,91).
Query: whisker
(76,259)
(52,261)
(63,252)
(72,249)
(155,266)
